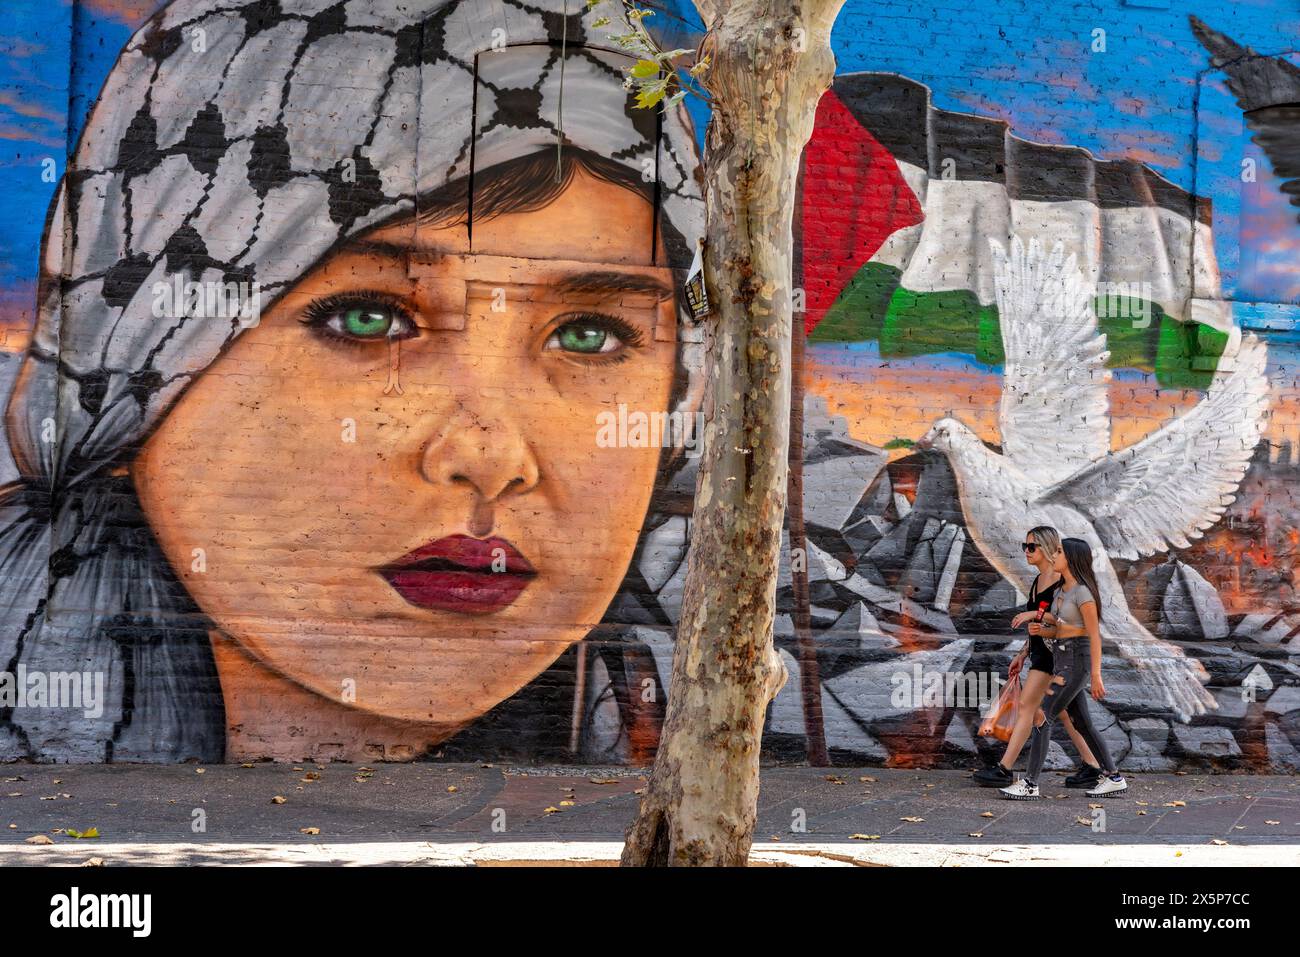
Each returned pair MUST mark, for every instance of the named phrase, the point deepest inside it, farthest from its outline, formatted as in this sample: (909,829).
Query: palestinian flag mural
(899,200)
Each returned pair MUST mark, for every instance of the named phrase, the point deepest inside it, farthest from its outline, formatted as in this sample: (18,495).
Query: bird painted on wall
(1057,468)
(1268,91)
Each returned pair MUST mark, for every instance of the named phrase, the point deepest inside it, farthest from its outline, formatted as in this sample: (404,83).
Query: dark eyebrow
(612,282)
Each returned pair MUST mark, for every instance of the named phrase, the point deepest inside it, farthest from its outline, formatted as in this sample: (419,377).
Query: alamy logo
(919,688)
(642,430)
(82,690)
(177,299)
(75,909)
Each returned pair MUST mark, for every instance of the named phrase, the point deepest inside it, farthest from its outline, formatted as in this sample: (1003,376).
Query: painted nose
(489,456)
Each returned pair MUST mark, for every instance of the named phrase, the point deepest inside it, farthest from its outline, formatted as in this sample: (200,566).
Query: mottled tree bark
(770,63)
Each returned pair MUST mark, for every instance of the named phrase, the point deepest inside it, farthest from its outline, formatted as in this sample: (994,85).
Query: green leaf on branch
(648,97)
(645,68)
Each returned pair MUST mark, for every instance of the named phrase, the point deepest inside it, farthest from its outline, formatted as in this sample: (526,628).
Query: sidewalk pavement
(480,814)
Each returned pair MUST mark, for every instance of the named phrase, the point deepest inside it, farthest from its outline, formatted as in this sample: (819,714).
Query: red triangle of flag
(854,197)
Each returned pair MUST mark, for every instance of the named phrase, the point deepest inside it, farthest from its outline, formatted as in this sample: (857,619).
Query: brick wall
(408,497)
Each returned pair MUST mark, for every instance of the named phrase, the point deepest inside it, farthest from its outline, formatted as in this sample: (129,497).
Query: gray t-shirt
(1068,600)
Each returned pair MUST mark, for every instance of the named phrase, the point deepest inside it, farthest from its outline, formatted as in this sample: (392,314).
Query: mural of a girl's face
(422,554)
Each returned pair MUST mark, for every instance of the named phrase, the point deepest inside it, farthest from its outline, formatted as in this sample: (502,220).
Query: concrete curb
(606,854)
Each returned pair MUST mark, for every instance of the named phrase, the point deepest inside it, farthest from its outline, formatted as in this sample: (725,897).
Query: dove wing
(1053,413)
(1177,482)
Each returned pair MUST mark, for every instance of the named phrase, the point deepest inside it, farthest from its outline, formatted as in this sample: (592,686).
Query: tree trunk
(770,63)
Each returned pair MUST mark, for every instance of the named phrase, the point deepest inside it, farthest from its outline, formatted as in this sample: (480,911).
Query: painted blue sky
(1134,100)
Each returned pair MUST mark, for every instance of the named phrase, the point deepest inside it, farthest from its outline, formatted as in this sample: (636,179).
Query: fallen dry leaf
(552,810)
(975,834)
(1094,806)
(1175,804)
(603,780)
(864,837)
(279,799)
(38,839)
(1085,821)
(912,820)
(452,789)
(1272,822)
(834,779)
(1141,812)
(987,814)
(566,804)
(1218,843)
(309,830)
(93,862)
(200,770)
(867,779)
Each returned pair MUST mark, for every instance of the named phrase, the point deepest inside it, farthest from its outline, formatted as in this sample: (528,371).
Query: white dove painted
(1056,466)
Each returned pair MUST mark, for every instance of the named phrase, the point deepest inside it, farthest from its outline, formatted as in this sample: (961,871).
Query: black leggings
(1074,664)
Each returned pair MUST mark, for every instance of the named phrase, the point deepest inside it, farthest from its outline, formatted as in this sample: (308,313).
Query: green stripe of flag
(908,324)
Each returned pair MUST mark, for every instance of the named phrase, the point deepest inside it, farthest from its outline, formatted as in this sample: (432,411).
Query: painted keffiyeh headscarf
(297,125)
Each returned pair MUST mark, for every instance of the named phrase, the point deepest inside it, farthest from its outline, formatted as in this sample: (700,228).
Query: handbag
(1001,718)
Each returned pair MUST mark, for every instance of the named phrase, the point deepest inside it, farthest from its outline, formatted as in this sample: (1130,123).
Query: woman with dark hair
(1075,638)
(354,519)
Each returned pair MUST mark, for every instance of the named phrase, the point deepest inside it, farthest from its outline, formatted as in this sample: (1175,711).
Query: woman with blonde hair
(1041,546)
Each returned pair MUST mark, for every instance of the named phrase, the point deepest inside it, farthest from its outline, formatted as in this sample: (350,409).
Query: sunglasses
(1029,547)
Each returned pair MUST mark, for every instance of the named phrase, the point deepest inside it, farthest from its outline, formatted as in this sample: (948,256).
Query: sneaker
(994,777)
(1109,787)
(1022,790)
(1085,776)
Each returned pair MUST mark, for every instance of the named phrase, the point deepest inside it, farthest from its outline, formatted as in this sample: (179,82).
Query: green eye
(594,334)
(367,322)
(364,317)
(579,337)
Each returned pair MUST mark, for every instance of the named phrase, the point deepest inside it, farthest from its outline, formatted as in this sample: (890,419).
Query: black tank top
(1048,595)
(1037,646)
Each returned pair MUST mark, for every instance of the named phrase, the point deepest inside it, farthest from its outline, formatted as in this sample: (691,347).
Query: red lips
(473,576)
